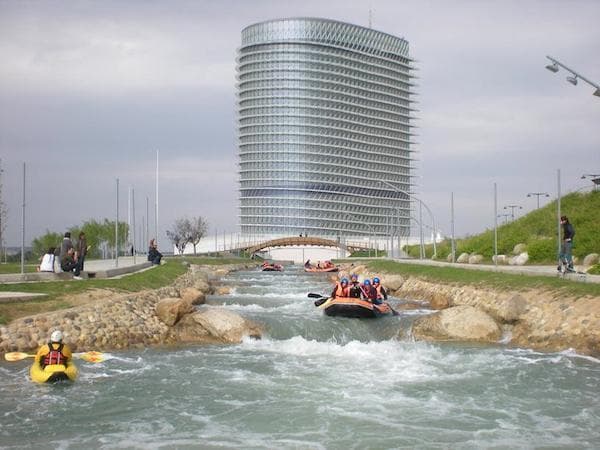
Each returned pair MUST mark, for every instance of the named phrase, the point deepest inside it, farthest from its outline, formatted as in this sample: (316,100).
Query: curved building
(324,129)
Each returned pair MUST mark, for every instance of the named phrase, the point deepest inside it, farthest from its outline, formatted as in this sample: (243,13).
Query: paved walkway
(96,268)
(549,271)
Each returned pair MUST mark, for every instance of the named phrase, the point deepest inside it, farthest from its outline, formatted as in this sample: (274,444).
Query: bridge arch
(299,241)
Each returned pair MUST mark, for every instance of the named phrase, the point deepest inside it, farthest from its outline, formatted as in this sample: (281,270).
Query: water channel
(313,382)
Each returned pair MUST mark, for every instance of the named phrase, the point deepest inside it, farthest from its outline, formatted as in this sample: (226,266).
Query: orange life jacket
(341,291)
(54,356)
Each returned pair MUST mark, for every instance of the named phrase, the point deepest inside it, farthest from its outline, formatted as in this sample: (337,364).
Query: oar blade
(17,356)
(92,357)
(313,295)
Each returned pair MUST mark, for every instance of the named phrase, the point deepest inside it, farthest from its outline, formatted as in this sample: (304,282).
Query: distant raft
(272,268)
(53,372)
(321,269)
(355,308)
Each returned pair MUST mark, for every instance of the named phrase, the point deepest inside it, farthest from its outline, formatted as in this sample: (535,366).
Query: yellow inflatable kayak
(53,372)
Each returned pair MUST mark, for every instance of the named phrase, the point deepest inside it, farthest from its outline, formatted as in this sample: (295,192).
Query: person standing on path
(566,249)
(65,245)
(81,250)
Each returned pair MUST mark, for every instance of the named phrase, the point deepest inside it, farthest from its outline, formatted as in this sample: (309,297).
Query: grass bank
(484,279)
(537,230)
(58,292)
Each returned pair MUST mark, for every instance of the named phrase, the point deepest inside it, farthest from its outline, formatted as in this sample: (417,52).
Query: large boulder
(591,259)
(392,282)
(475,259)
(213,325)
(170,310)
(440,300)
(508,309)
(519,248)
(463,258)
(459,323)
(499,259)
(519,260)
(192,296)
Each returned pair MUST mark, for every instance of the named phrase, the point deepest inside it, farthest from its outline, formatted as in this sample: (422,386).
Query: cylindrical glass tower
(324,129)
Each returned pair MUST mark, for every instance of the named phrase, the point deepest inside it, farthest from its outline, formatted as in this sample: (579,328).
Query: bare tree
(198,229)
(187,231)
(179,235)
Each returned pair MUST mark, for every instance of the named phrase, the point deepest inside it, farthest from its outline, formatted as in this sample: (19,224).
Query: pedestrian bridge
(305,241)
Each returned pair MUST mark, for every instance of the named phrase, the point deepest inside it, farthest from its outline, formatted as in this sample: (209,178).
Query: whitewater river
(314,382)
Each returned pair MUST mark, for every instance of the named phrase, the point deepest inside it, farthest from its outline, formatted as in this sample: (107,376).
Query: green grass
(154,278)
(16,267)
(538,230)
(479,278)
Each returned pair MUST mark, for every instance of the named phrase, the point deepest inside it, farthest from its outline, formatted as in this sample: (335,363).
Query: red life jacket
(369,292)
(342,291)
(379,294)
(55,356)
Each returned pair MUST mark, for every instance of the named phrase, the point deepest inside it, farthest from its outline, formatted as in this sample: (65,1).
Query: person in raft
(341,289)
(381,292)
(368,291)
(54,352)
(355,290)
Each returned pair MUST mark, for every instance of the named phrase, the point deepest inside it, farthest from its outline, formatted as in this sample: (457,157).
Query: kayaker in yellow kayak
(54,352)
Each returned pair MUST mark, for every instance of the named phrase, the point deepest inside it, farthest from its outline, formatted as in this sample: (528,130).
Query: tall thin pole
(453,242)
(129,234)
(156,201)
(117,228)
(23,226)
(495,225)
(558,214)
(133,221)
(422,249)
(147,239)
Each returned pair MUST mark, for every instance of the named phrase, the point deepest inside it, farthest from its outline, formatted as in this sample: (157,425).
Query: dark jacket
(568,231)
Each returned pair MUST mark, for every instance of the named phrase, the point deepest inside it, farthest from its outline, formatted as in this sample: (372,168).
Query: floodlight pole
(537,194)
(23,227)
(554,68)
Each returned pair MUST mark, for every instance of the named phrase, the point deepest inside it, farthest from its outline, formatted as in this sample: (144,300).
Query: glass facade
(324,129)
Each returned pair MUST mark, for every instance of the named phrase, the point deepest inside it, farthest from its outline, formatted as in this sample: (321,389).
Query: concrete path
(549,271)
(98,268)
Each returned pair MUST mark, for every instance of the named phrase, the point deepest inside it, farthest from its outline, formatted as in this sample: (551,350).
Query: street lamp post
(571,79)
(512,210)
(506,216)
(537,194)
(422,203)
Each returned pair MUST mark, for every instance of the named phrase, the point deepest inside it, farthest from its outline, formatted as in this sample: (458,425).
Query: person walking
(81,250)
(566,249)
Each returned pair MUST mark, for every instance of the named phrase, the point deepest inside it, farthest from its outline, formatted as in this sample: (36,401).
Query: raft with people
(354,308)
(267,267)
(327,266)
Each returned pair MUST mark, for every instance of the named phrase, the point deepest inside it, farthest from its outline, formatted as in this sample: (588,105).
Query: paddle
(320,298)
(92,356)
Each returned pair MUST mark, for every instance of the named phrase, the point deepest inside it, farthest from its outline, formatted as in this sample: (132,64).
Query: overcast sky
(89,90)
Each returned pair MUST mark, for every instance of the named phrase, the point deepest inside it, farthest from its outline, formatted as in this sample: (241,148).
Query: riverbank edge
(533,318)
(135,320)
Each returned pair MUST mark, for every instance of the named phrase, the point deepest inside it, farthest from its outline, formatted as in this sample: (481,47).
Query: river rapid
(313,382)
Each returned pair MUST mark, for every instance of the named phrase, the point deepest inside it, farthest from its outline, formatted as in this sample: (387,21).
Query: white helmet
(56,336)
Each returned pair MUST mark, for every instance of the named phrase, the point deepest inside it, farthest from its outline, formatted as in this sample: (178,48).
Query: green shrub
(542,250)
(594,270)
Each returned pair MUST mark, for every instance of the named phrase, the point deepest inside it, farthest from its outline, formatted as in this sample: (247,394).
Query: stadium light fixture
(574,77)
